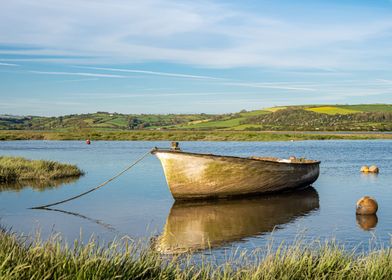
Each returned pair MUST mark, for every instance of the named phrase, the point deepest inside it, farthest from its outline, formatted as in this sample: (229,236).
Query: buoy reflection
(367,222)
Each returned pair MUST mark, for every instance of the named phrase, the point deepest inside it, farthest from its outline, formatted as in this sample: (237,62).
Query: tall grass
(155,135)
(21,258)
(14,169)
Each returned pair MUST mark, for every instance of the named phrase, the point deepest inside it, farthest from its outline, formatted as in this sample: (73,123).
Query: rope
(97,187)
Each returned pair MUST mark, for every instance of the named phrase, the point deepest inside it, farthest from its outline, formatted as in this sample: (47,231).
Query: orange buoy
(365,168)
(88,142)
(366,206)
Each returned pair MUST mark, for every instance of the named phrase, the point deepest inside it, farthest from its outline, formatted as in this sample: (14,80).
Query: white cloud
(271,86)
(198,33)
(8,64)
(77,74)
(167,74)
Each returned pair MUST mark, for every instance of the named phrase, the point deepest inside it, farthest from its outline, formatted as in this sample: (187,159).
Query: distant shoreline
(168,135)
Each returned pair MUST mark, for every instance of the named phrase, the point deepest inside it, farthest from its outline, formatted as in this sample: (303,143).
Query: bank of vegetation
(184,135)
(294,119)
(18,169)
(21,258)
(373,117)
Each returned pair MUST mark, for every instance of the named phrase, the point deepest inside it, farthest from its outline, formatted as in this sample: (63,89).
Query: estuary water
(139,204)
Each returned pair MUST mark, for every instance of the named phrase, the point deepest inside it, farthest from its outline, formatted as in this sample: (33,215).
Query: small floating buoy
(365,168)
(175,146)
(88,142)
(373,169)
(366,206)
(367,222)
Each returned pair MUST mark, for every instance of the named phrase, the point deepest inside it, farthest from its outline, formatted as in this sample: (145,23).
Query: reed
(171,135)
(23,258)
(17,169)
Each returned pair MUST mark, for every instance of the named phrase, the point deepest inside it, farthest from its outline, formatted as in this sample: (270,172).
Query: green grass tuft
(16,169)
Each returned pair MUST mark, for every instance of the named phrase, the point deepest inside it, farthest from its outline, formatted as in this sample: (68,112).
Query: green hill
(373,117)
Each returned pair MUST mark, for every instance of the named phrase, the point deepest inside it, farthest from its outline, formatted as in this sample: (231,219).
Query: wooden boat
(198,225)
(194,175)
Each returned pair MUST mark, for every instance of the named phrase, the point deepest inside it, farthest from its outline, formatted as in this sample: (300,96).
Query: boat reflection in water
(200,225)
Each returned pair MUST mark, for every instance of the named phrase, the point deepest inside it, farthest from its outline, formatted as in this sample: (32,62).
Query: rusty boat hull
(199,176)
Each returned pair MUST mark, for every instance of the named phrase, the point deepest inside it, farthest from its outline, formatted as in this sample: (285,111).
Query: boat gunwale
(160,150)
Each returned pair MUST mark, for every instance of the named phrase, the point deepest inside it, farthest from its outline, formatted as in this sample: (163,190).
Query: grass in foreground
(21,259)
(17,169)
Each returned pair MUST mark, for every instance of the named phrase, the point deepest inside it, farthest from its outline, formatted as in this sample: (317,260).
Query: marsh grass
(172,135)
(23,258)
(18,169)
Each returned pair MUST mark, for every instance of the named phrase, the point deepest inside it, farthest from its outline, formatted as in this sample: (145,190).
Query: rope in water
(97,187)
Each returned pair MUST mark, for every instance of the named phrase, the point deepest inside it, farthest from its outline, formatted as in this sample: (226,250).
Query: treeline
(300,119)
(291,118)
(99,120)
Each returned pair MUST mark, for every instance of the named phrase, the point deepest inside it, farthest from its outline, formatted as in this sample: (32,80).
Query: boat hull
(191,175)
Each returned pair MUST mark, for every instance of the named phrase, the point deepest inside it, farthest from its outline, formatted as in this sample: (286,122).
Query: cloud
(8,64)
(77,74)
(389,82)
(271,86)
(206,34)
(166,74)
(77,80)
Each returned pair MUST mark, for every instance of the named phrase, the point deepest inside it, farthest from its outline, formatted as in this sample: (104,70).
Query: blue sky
(161,56)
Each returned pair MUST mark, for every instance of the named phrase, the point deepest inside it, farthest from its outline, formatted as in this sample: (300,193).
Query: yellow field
(198,121)
(274,109)
(243,127)
(332,110)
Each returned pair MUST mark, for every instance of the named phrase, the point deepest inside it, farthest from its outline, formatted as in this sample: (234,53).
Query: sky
(163,56)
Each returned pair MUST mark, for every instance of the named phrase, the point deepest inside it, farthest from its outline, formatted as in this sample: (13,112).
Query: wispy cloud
(77,80)
(384,81)
(8,64)
(77,74)
(207,33)
(283,86)
(166,74)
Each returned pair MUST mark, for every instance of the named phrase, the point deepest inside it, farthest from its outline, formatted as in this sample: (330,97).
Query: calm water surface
(139,204)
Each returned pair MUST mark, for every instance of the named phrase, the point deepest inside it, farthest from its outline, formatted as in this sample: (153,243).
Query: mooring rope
(97,187)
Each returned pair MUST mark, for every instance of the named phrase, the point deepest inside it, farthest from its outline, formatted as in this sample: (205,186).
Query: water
(139,204)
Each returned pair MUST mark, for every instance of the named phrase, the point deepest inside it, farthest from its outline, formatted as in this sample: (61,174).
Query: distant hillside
(308,120)
(99,120)
(375,117)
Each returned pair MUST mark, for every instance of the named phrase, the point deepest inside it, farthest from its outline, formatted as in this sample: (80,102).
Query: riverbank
(21,258)
(155,135)
(18,169)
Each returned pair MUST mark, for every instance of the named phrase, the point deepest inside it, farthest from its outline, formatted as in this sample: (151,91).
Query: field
(368,108)
(23,258)
(373,117)
(332,110)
